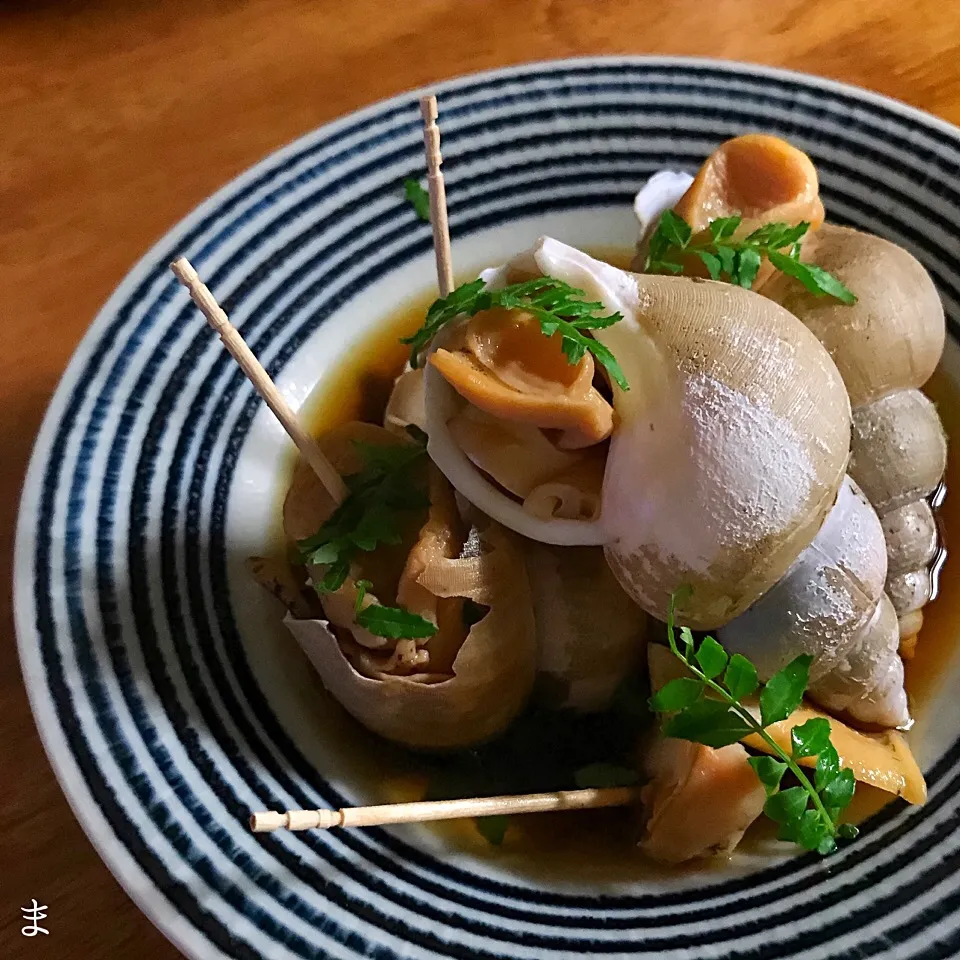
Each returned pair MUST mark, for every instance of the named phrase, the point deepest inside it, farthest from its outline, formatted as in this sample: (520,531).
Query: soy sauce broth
(597,846)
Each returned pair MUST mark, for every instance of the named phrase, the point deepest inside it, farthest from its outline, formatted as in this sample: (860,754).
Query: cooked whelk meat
(467,682)
(504,366)
(699,801)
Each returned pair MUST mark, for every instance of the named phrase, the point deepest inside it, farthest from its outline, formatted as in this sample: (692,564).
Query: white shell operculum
(730,446)
(659,194)
(590,634)
(832,605)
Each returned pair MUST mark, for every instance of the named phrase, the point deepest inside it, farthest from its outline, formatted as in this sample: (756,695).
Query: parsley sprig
(381,497)
(558,307)
(418,198)
(707,707)
(738,260)
(393,622)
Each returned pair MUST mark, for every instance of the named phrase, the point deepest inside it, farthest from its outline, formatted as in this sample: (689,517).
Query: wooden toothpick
(251,366)
(430,810)
(438,195)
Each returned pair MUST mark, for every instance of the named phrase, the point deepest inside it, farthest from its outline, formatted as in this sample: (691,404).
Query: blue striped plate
(170,700)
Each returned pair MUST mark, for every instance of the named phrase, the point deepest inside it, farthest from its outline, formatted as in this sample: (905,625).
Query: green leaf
(782,693)
(724,227)
(817,280)
(775,236)
(740,260)
(827,768)
(686,635)
(712,262)
(609,363)
(493,829)
(418,198)
(710,722)
(674,229)
(748,265)
(676,694)
(787,806)
(573,349)
(810,738)
(740,677)
(769,771)
(827,846)
(812,830)
(603,775)
(325,553)
(838,793)
(847,831)
(711,657)
(728,260)
(394,623)
(335,576)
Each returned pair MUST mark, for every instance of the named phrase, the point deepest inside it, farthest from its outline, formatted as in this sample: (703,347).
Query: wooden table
(116,118)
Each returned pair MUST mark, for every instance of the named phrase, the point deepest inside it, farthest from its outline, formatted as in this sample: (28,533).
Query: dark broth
(594,847)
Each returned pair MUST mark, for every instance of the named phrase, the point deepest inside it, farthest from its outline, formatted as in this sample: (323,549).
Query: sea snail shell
(729,449)
(886,346)
(832,604)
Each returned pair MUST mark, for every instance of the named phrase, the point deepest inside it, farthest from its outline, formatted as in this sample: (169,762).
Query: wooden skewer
(438,195)
(428,810)
(251,366)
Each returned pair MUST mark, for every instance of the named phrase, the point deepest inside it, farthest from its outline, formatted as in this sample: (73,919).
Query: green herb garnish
(738,261)
(708,708)
(381,497)
(559,307)
(418,198)
(395,623)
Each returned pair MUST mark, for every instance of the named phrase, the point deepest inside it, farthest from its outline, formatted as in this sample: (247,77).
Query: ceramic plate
(170,700)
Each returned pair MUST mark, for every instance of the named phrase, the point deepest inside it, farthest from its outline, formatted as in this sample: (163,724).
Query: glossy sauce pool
(595,846)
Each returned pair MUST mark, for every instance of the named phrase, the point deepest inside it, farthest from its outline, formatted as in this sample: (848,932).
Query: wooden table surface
(116,118)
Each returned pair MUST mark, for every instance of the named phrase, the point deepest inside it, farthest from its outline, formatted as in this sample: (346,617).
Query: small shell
(460,686)
(493,671)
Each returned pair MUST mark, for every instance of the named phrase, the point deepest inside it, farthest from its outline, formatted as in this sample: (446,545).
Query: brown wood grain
(116,118)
